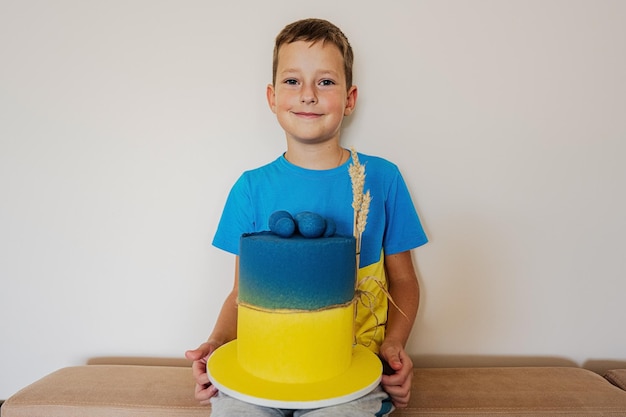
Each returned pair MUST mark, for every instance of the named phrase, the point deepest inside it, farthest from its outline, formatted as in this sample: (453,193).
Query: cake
(295,342)
(295,297)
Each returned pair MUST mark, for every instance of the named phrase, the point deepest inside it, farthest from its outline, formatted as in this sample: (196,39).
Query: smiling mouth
(307,115)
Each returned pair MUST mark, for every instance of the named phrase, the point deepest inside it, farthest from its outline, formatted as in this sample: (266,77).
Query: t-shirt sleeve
(404,229)
(237,217)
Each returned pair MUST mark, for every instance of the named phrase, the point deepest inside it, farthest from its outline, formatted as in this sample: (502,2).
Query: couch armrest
(617,377)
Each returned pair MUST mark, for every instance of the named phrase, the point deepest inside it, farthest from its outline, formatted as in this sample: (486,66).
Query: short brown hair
(315,30)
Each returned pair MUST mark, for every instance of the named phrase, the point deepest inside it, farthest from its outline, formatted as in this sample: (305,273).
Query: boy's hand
(398,383)
(204,389)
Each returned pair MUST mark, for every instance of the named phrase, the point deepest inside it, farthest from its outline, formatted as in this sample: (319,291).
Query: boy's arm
(225,328)
(224,331)
(404,289)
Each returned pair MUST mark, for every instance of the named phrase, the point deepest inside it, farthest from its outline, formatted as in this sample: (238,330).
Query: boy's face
(311,97)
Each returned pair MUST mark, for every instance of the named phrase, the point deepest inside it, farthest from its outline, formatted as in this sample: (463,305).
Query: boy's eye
(327,82)
(291,81)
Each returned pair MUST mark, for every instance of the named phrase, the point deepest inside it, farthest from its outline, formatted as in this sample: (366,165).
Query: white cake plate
(230,378)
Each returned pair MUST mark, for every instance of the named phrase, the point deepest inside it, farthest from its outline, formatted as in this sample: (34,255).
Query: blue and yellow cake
(295,297)
(295,331)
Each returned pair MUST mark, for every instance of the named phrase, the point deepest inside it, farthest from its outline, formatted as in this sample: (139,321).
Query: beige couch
(155,391)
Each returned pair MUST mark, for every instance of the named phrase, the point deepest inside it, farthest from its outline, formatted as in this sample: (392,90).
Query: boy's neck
(317,157)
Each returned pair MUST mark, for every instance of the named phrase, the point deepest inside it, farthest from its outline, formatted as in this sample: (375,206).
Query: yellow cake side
(295,346)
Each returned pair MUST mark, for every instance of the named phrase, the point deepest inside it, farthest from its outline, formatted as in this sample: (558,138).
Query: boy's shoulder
(377,164)
(273,165)
(379,160)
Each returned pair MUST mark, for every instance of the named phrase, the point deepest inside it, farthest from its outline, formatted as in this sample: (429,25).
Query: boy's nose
(307,99)
(307,95)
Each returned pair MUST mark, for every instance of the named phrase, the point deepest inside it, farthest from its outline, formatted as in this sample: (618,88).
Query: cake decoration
(282,223)
(360,204)
(360,201)
(310,224)
(306,223)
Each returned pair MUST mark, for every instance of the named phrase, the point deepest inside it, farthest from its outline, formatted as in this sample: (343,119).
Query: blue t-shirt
(393,225)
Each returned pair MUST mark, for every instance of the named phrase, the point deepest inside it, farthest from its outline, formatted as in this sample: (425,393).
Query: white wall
(123,125)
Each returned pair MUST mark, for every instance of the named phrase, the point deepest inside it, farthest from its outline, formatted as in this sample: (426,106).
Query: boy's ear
(353,93)
(271,97)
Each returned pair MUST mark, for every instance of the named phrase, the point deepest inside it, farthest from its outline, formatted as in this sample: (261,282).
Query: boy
(311,93)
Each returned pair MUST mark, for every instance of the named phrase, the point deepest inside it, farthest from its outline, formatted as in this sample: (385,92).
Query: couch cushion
(108,391)
(541,391)
(617,377)
(157,391)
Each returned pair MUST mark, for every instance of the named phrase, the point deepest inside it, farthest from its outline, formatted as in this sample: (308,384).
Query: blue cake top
(306,271)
